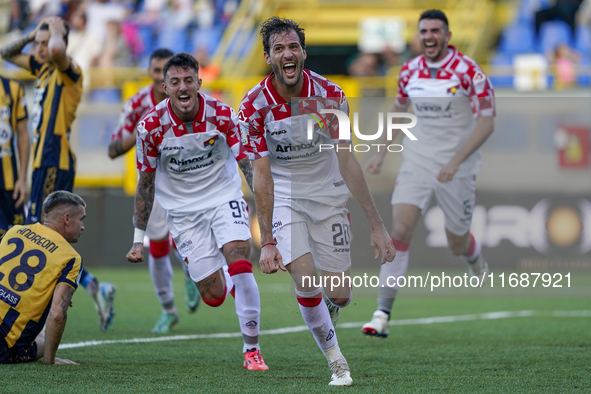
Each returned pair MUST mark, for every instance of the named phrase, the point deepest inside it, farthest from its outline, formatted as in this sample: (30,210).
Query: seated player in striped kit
(58,91)
(39,272)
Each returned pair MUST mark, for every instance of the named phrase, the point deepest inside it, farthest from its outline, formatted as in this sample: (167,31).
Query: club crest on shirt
(453,89)
(211,141)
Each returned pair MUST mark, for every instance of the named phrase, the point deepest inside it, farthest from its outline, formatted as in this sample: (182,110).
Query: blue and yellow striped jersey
(33,260)
(57,95)
(12,111)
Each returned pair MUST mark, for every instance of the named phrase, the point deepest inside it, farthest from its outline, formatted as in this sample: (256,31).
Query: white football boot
(378,326)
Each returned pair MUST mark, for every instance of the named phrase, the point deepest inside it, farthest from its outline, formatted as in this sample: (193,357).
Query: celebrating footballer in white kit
(188,148)
(122,140)
(453,101)
(300,190)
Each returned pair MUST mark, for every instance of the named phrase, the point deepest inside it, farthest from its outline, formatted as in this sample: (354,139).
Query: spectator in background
(82,46)
(364,65)
(19,14)
(115,52)
(564,10)
(564,59)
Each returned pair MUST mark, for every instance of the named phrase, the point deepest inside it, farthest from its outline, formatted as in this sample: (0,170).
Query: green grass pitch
(531,354)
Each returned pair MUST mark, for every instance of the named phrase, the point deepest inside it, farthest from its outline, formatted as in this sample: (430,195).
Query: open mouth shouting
(289,70)
(184,100)
(431,48)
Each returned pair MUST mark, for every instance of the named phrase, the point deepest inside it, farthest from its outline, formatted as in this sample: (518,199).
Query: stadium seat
(505,80)
(527,10)
(553,33)
(147,34)
(173,39)
(583,40)
(105,95)
(518,38)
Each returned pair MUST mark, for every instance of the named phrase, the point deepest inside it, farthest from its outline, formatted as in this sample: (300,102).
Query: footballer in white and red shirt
(300,189)
(188,153)
(453,101)
(122,140)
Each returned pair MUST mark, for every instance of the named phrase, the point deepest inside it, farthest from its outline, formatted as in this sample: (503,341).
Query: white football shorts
(328,240)
(199,237)
(456,198)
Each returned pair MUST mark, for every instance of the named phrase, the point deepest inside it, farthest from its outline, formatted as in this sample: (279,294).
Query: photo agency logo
(392,119)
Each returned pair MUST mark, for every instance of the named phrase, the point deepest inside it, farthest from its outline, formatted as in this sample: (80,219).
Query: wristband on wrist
(138,236)
(267,244)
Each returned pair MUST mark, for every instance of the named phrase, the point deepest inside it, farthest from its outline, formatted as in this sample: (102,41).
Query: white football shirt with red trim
(271,126)
(446,98)
(134,109)
(195,162)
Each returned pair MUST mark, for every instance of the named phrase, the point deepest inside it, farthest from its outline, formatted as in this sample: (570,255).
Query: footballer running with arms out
(58,91)
(122,140)
(301,197)
(13,162)
(32,296)
(445,158)
(187,150)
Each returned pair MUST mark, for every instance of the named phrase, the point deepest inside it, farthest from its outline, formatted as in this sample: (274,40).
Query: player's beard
(278,70)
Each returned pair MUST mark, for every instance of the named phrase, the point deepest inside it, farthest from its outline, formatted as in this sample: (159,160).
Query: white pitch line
(287,330)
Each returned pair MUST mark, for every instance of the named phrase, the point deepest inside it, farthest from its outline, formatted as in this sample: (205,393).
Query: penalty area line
(287,330)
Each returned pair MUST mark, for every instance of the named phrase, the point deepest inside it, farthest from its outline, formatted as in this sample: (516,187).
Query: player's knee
(240,267)
(236,251)
(159,248)
(309,302)
(402,232)
(214,298)
(341,302)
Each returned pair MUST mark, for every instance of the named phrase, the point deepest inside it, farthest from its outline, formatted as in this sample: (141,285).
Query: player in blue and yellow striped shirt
(14,148)
(39,272)
(58,92)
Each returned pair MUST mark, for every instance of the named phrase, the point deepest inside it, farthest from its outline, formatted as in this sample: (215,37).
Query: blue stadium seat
(147,33)
(553,33)
(583,40)
(501,81)
(527,10)
(517,38)
(173,39)
(208,38)
(105,95)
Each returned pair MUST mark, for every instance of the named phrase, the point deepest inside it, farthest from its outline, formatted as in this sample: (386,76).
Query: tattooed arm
(56,321)
(119,147)
(12,51)
(144,200)
(246,168)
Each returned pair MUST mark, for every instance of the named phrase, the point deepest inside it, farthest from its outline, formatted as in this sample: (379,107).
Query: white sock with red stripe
(248,302)
(474,250)
(317,318)
(161,273)
(389,273)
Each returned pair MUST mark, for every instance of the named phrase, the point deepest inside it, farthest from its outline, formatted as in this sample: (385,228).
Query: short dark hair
(161,53)
(435,14)
(182,60)
(61,198)
(277,25)
(45,26)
